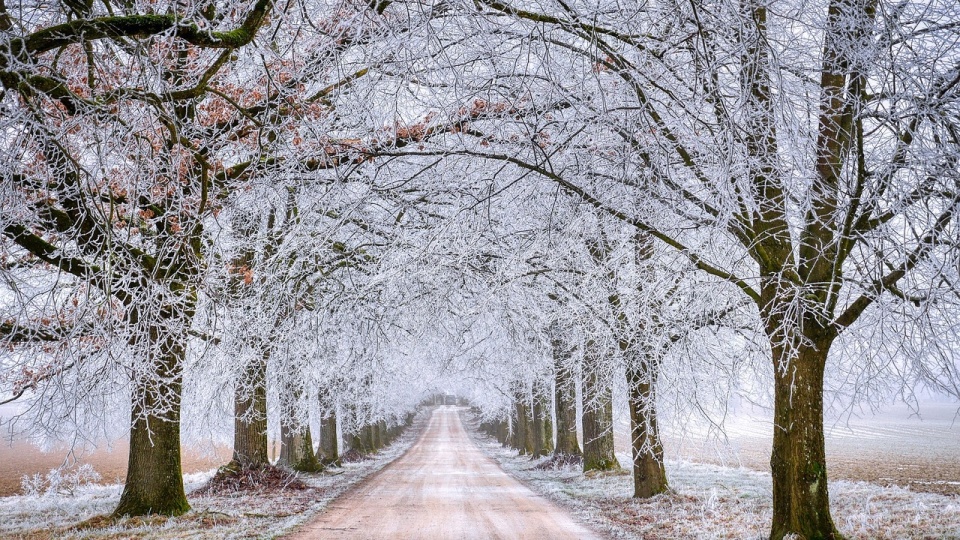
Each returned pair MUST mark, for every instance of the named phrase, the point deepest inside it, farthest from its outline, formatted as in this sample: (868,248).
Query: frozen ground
(56,513)
(894,446)
(710,501)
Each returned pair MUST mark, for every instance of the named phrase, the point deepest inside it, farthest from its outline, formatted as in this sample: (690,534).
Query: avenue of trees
(301,219)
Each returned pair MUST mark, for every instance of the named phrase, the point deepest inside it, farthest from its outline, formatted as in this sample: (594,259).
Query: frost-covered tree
(131,128)
(366,202)
(117,151)
(805,153)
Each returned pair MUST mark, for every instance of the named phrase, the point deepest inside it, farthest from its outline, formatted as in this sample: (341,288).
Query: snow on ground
(895,445)
(710,501)
(56,513)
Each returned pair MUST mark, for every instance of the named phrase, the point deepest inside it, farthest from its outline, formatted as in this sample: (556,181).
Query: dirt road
(443,487)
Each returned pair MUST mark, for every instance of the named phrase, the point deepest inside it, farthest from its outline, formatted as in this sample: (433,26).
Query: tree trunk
(548,429)
(649,475)
(370,437)
(566,405)
(250,416)
(598,451)
(516,430)
(356,442)
(296,445)
(801,503)
(522,430)
(383,438)
(542,428)
(328,452)
(154,483)
(503,432)
(530,436)
(296,449)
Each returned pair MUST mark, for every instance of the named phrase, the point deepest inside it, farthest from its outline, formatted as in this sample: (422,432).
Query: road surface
(444,487)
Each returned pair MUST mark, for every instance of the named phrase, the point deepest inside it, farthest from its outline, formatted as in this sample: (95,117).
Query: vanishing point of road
(443,487)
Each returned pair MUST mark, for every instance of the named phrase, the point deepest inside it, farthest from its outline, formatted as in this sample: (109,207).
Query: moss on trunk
(296,449)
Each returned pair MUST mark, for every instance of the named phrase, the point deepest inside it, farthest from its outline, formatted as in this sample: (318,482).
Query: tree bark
(328,452)
(530,435)
(566,405)
(503,432)
(296,445)
(356,442)
(370,437)
(542,427)
(154,483)
(383,438)
(598,451)
(250,445)
(522,436)
(250,416)
(801,500)
(649,475)
(548,428)
(296,449)
(516,427)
